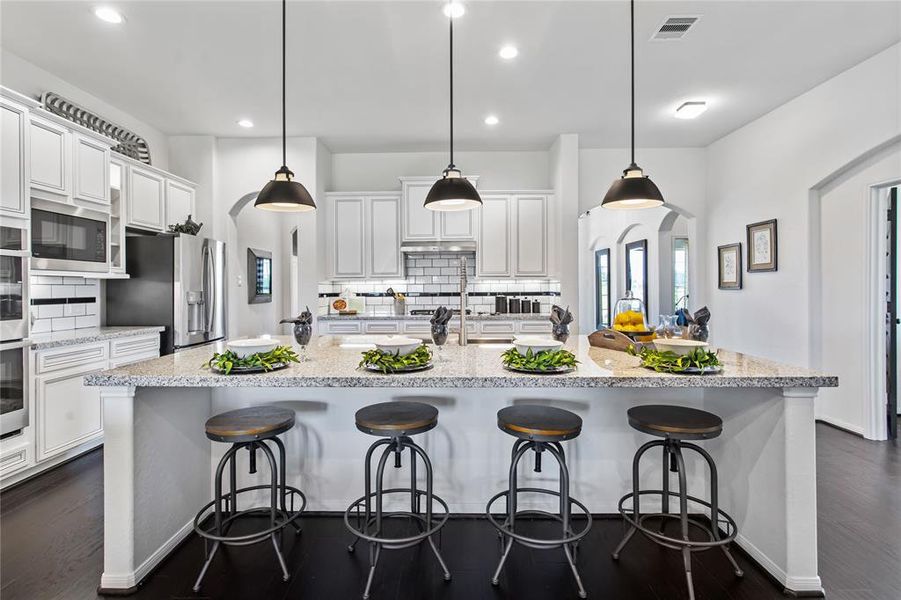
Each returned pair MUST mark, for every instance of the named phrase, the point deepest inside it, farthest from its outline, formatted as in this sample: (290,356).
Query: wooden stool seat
(539,423)
(393,419)
(249,424)
(675,422)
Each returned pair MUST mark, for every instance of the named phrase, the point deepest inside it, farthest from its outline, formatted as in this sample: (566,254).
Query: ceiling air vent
(674,28)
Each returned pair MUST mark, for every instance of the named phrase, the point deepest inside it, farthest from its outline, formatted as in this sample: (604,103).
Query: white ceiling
(369,76)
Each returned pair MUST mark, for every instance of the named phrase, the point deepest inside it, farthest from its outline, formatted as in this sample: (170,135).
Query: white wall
(375,171)
(194,157)
(564,167)
(27,78)
(845,213)
(766,170)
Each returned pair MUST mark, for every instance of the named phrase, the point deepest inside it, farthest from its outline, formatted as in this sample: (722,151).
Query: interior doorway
(892,321)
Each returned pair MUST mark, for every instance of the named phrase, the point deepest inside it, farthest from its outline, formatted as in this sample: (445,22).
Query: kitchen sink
(489,340)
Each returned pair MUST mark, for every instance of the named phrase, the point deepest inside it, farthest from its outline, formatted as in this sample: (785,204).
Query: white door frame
(875,411)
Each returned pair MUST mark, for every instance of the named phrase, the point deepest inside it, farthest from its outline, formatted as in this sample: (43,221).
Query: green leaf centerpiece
(549,361)
(227,361)
(386,362)
(670,362)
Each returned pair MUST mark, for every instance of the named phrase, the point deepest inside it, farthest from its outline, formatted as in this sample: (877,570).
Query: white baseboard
(858,429)
(796,584)
(130,580)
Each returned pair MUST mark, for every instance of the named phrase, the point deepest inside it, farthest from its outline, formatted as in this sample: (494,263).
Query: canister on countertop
(514,306)
(526,306)
(536,307)
(500,304)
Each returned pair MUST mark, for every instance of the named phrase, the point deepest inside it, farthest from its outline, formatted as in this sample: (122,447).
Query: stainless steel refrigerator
(175,280)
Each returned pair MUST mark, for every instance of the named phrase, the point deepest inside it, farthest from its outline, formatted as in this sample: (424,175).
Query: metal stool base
(636,520)
(507,529)
(281,511)
(368,525)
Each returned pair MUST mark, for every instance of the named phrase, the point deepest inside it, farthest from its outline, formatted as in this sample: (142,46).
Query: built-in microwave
(68,238)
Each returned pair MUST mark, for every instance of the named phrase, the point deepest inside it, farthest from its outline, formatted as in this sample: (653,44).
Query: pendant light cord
(451,26)
(632,44)
(284,95)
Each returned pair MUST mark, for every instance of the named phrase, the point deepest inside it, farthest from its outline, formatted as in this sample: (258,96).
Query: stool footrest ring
(438,520)
(283,517)
(679,543)
(505,529)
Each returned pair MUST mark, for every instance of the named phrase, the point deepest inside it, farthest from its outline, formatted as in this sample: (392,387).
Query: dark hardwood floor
(51,548)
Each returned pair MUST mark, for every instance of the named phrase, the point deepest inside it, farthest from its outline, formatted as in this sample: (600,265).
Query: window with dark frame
(602,287)
(637,270)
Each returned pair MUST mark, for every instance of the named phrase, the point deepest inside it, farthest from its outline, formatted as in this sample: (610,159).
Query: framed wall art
(729,270)
(763,246)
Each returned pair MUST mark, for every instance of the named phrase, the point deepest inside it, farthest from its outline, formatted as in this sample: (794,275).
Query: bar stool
(676,424)
(540,429)
(249,428)
(395,422)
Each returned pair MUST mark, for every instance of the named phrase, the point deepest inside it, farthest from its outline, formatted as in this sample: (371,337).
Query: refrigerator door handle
(209,297)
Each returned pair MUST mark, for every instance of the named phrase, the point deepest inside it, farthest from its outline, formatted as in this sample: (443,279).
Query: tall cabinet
(364,235)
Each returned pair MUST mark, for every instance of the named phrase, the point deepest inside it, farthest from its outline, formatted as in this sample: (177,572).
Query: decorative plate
(410,369)
(554,371)
(248,370)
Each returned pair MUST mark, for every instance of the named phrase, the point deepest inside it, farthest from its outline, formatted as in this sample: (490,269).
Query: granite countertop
(43,341)
(333,363)
(368,316)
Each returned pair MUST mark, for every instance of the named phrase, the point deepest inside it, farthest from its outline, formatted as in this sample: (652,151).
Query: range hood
(443,246)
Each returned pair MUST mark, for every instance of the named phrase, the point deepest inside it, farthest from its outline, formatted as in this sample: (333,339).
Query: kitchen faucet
(463,282)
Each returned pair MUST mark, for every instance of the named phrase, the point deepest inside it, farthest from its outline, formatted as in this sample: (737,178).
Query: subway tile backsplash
(64,303)
(436,276)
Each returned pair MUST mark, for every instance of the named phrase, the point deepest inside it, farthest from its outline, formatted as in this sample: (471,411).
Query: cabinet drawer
(134,345)
(535,327)
(498,327)
(15,459)
(132,359)
(333,327)
(471,327)
(417,327)
(71,356)
(382,327)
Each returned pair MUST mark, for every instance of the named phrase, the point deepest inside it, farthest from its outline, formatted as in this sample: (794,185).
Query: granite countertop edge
(88,335)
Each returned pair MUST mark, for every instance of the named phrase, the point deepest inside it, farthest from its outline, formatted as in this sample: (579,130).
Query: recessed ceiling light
(492,120)
(690,110)
(245,123)
(454,10)
(508,52)
(109,15)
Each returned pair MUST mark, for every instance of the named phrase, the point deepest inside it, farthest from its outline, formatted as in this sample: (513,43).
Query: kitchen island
(158,463)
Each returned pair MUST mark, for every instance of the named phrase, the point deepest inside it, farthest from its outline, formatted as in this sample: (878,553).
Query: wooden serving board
(612,340)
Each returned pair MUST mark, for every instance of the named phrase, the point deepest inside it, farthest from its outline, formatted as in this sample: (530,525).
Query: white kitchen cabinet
(420,223)
(13,166)
(145,199)
(348,242)
(459,225)
(49,157)
(535,326)
(494,245)
(68,412)
(341,327)
(530,231)
(179,202)
(383,236)
(90,169)
(383,327)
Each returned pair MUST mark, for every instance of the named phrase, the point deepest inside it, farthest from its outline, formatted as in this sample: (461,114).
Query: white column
(801,491)
(118,488)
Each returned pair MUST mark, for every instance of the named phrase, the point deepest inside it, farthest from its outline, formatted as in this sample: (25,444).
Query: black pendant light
(634,189)
(452,192)
(282,194)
